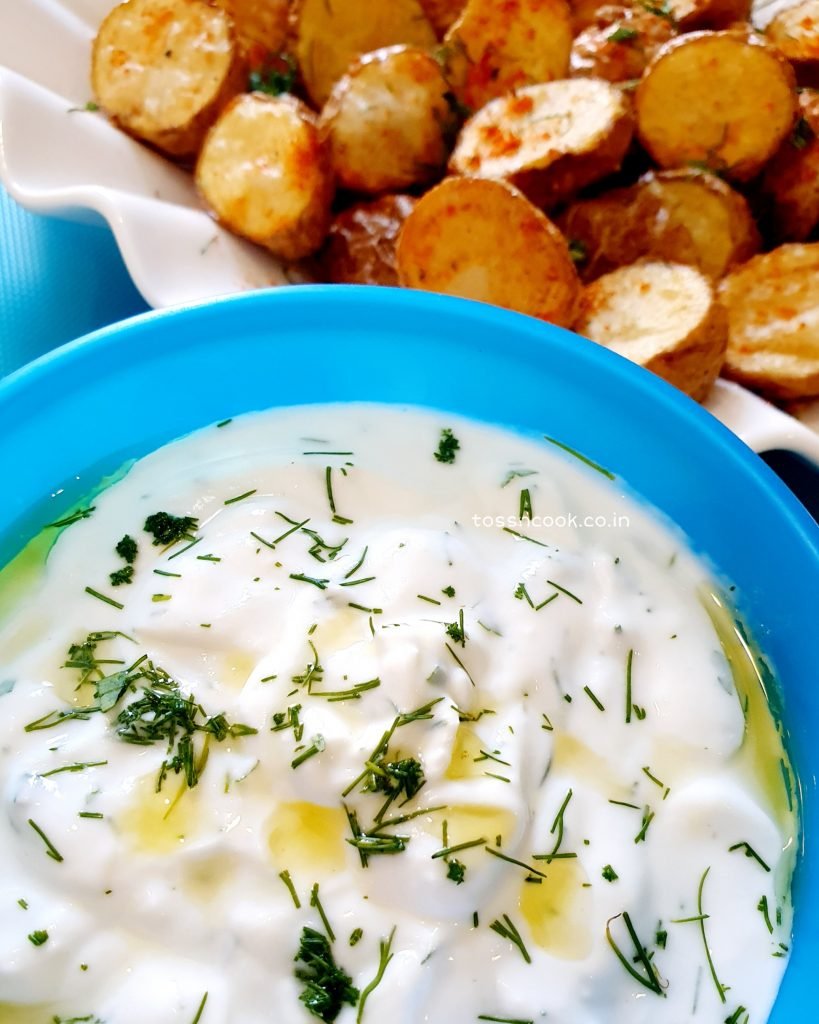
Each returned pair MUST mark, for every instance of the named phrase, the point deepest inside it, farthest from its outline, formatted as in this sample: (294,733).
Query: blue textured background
(57,281)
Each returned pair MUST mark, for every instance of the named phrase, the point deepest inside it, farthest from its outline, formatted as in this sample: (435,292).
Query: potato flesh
(388,121)
(795,31)
(265,174)
(661,316)
(548,140)
(607,48)
(159,66)
(484,240)
(695,104)
(331,34)
(495,47)
(773,314)
(684,217)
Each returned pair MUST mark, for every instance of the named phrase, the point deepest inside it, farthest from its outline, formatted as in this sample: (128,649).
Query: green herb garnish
(622,35)
(650,979)
(448,445)
(275,77)
(75,517)
(168,529)
(327,987)
(38,938)
(384,957)
(507,930)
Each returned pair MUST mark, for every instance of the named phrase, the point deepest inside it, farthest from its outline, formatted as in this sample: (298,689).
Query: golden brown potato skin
(500,45)
(790,182)
(360,247)
(265,174)
(619,43)
(484,240)
(261,26)
(442,14)
(326,37)
(548,140)
(389,121)
(663,316)
(163,70)
(680,216)
(724,99)
(795,31)
(773,320)
(691,15)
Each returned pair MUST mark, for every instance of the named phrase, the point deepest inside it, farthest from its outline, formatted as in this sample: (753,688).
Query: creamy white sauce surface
(587,711)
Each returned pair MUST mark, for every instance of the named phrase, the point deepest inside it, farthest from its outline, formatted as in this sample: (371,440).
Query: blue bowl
(79,413)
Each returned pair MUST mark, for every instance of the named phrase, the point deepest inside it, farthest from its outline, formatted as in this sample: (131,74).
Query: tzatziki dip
(372,714)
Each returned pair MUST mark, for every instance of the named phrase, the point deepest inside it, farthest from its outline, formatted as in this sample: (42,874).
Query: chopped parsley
(38,938)
(127,549)
(327,987)
(622,35)
(275,77)
(168,529)
(609,873)
(120,576)
(456,871)
(448,445)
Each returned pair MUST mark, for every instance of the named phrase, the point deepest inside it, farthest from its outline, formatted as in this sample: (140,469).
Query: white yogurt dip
(461,712)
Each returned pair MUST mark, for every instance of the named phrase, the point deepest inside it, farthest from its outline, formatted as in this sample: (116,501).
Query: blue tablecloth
(57,281)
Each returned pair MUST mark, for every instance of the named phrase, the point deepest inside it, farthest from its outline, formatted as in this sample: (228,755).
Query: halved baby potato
(548,140)
(723,99)
(619,43)
(495,47)
(360,247)
(690,15)
(265,174)
(328,35)
(795,31)
(790,182)
(662,316)
(163,70)
(773,322)
(484,240)
(389,121)
(685,216)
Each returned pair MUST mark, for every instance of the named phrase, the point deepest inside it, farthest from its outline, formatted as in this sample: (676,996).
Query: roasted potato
(442,13)
(723,99)
(265,174)
(261,26)
(773,322)
(484,240)
(360,247)
(389,121)
(496,47)
(163,69)
(548,140)
(690,15)
(662,316)
(681,216)
(328,35)
(619,43)
(790,182)
(795,31)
